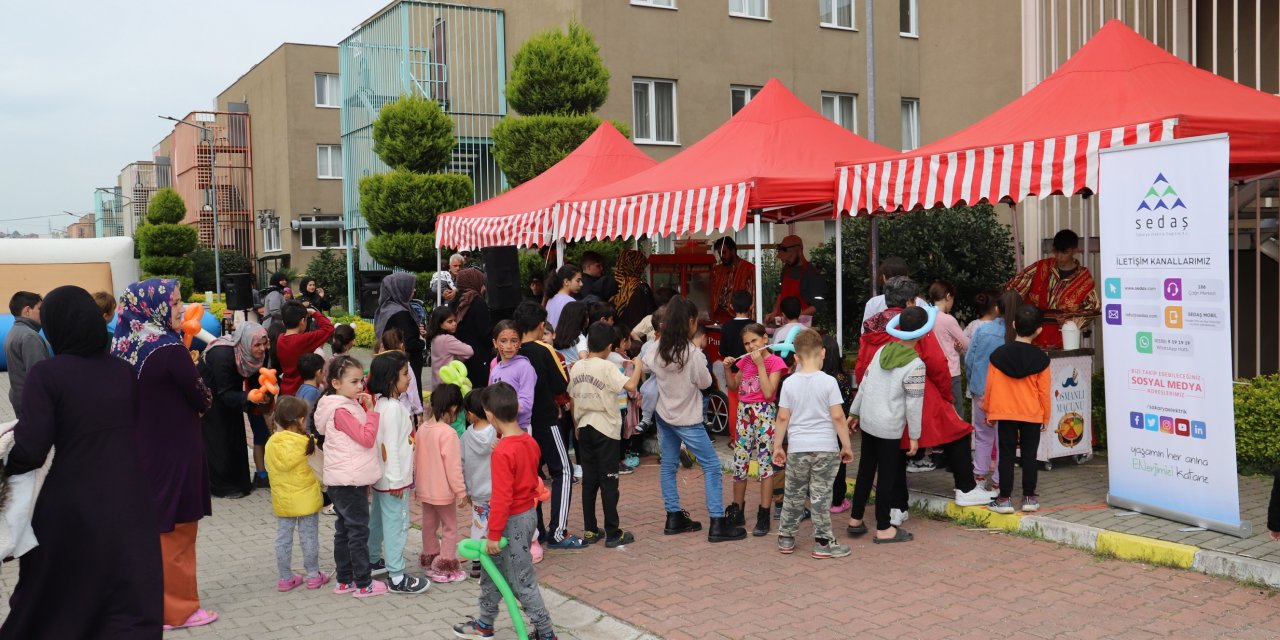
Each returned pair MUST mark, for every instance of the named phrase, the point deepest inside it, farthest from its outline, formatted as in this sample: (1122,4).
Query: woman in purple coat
(96,572)
(171,399)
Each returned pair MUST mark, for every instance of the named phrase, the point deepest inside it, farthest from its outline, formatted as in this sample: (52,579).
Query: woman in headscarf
(96,572)
(311,295)
(474,323)
(273,298)
(171,398)
(225,366)
(631,297)
(394,310)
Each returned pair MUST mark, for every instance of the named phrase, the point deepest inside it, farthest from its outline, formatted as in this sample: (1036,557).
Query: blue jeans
(698,443)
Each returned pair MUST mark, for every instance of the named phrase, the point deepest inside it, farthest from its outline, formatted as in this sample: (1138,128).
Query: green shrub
(525,147)
(531,266)
(410,251)
(168,239)
(405,201)
(422,287)
(364,333)
(413,134)
(1099,412)
(228,260)
(558,72)
(608,249)
(168,264)
(1257,405)
(166,207)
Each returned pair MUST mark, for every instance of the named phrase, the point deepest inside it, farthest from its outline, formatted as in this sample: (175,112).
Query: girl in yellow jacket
(295,494)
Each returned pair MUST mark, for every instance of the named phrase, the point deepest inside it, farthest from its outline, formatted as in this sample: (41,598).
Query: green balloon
(475,550)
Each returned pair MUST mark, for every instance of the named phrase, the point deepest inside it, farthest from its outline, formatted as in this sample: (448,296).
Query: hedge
(414,134)
(167,239)
(167,264)
(229,260)
(166,207)
(558,72)
(525,147)
(409,251)
(406,201)
(1257,404)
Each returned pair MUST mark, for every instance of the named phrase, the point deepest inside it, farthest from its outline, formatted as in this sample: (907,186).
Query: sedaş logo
(1158,209)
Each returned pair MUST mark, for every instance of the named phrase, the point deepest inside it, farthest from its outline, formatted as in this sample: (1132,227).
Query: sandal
(200,618)
(856,530)
(902,535)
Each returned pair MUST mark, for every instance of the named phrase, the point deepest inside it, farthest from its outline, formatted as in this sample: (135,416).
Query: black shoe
(762,522)
(686,458)
(475,569)
(733,513)
(260,481)
(378,568)
(623,537)
(722,530)
(680,522)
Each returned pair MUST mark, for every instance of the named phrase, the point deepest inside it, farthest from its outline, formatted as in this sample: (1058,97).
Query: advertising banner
(1070,405)
(1166,323)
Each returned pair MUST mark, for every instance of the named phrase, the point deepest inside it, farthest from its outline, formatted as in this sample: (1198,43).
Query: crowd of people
(560,392)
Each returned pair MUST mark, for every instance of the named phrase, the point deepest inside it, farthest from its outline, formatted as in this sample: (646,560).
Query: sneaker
(329,511)
(686,458)
(592,537)
(549,636)
(624,537)
(476,569)
(473,629)
(786,545)
(632,460)
(975,497)
(842,507)
(375,588)
(288,585)
(898,516)
(320,580)
(1001,505)
(645,426)
(920,466)
(568,542)
(806,515)
(344,587)
(777,511)
(378,568)
(624,470)
(1030,504)
(829,550)
(535,552)
(407,585)
(577,471)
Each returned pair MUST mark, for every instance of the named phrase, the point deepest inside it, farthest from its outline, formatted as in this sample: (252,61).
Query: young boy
(23,347)
(594,387)
(477,444)
(515,487)
(811,411)
(790,308)
(1017,400)
(891,395)
(620,357)
(106,304)
(311,371)
(297,341)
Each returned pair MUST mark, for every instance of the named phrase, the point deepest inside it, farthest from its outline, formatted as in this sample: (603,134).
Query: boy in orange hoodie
(1017,400)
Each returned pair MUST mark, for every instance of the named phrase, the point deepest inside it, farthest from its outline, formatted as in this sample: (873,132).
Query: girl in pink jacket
(439,485)
(445,347)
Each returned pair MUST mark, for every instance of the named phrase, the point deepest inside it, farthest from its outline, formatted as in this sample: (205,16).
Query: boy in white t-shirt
(811,419)
(594,383)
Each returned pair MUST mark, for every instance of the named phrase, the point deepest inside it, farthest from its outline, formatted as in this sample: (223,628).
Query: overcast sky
(81,83)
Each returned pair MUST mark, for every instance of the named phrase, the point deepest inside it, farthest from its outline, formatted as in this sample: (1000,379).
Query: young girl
(833,366)
(953,340)
(985,302)
(389,379)
(477,445)
(755,376)
(570,337)
(445,348)
(628,402)
(393,341)
(440,486)
(340,344)
(514,369)
(345,418)
(987,339)
(295,494)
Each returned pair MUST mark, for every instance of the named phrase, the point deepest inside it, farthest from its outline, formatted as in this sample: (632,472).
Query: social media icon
(1166,424)
(1143,341)
(1114,314)
(1173,317)
(1182,427)
(1112,288)
(1151,422)
(1198,430)
(1135,419)
(1173,289)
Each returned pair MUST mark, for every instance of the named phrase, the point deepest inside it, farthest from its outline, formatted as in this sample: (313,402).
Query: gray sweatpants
(308,535)
(811,475)
(516,565)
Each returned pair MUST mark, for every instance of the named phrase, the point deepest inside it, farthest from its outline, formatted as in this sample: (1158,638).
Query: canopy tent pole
(439,293)
(759,266)
(555,232)
(840,284)
(1017,237)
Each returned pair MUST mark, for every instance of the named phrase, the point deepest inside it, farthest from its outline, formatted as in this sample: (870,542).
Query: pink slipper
(288,585)
(320,580)
(535,552)
(198,619)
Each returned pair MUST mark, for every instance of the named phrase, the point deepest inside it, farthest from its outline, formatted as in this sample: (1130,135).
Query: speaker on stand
(239,290)
(502,277)
(369,284)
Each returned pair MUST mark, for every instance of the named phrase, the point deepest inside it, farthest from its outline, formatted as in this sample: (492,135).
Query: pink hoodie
(437,462)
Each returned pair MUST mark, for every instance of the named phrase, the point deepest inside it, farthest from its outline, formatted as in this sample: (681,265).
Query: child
(631,442)
(345,418)
(755,377)
(391,341)
(441,488)
(594,386)
(566,282)
(833,365)
(445,347)
(985,302)
(891,395)
(296,341)
(514,369)
(811,421)
(646,329)
(649,389)
(602,311)
(340,344)
(23,346)
(389,378)
(986,339)
(511,514)
(570,339)
(950,337)
(310,370)
(1017,400)
(295,494)
(790,308)
(477,448)
(106,304)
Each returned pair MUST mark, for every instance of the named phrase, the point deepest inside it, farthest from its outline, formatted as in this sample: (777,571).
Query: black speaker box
(502,277)
(369,283)
(239,290)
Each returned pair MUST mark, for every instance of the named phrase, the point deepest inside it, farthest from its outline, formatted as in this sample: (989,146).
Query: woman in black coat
(475,325)
(224,367)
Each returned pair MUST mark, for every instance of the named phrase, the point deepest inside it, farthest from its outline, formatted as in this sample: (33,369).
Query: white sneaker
(976,498)
(920,466)
(577,471)
(898,516)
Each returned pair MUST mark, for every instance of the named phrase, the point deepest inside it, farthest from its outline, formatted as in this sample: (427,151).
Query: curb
(587,622)
(1102,541)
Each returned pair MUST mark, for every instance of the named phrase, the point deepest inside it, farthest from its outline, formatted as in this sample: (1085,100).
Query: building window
(654,111)
(749,8)
(910,124)
(326,90)
(909,18)
(837,14)
(329,161)
(327,238)
(271,239)
(739,96)
(666,4)
(842,109)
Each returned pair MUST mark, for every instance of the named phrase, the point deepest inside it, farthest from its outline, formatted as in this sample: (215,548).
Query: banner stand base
(1242,530)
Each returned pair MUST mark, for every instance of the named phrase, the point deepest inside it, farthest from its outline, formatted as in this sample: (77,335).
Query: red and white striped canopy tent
(523,215)
(1118,89)
(776,155)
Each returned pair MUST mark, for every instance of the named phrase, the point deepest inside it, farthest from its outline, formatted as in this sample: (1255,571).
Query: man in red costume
(1060,287)
(730,274)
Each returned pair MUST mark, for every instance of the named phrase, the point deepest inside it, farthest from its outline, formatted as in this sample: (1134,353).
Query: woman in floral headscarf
(225,366)
(171,398)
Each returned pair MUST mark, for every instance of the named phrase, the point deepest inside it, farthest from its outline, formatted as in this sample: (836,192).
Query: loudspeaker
(239,290)
(502,277)
(369,284)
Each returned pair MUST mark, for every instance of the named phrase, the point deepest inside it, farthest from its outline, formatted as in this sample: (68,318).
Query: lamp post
(213,184)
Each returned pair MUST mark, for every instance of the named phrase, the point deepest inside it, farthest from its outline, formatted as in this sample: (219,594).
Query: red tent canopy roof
(522,216)
(776,152)
(1116,81)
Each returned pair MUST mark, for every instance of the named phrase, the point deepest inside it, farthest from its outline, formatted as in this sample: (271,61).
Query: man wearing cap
(730,274)
(799,278)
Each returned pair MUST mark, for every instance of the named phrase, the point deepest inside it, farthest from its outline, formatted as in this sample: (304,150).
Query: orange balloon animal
(267,385)
(191,327)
